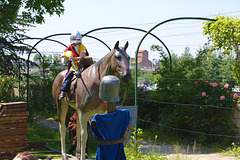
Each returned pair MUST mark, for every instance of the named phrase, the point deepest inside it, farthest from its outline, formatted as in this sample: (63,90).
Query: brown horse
(116,62)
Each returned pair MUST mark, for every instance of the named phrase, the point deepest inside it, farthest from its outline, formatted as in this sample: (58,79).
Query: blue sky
(90,14)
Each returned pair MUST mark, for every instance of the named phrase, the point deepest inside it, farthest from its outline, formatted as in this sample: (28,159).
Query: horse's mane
(105,57)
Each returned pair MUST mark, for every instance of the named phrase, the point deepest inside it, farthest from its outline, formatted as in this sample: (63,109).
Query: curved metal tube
(137,29)
(149,32)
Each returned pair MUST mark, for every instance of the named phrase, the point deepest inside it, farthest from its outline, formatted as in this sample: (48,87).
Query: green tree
(16,13)
(15,16)
(225,35)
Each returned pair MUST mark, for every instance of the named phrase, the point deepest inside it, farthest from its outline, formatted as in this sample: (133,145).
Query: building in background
(143,62)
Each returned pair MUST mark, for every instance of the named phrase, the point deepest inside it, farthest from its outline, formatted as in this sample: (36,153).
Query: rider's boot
(62,95)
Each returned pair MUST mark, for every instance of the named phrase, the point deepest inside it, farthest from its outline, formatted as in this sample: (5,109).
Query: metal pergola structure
(86,35)
(107,28)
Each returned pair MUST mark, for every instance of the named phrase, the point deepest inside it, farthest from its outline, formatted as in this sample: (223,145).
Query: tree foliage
(225,35)
(15,13)
(15,16)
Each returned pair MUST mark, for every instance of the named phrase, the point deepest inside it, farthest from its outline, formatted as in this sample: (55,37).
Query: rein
(125,95)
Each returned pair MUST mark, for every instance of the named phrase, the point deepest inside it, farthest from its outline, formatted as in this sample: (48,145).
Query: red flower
(226,86)
(149,119)
(141,96)
(204,94)
(145,92)
(214,84)
(235,96)
(222,97)
(195,82)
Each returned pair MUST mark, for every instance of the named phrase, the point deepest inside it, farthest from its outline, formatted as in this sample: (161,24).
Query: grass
(39,133)
(233,150)
(52,138)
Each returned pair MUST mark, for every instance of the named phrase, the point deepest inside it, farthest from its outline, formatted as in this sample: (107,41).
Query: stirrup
(62,95)
(72,98)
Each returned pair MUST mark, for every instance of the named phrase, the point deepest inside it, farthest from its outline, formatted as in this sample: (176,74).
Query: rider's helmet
(76,37)
(109,89)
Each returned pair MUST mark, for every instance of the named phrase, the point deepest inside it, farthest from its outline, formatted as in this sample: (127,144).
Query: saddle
(83,64)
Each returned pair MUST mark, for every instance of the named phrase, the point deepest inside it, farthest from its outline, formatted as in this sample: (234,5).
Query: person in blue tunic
(109,128)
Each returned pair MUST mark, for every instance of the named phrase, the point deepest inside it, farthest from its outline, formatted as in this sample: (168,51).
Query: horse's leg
(78,132)
(82,130)
(62,128)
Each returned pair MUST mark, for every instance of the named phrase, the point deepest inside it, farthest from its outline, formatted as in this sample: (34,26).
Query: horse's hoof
(78,155)
(86,156)
(65,157)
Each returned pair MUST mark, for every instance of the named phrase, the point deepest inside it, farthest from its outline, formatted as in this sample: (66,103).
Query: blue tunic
(110,126)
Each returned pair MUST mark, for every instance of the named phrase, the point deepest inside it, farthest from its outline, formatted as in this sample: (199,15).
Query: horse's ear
(116,45)
(126,45)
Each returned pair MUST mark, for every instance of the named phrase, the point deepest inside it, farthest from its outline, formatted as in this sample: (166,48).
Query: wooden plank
(18,149)
(12,137)
(12,126)
(12,118)
(8,156)
(16,145)
(38,152)
(15,114)
(14,110)
(9,142)
(17,104)
(36,145)
(12,133)
(15,130)
(11,146)
(13,121)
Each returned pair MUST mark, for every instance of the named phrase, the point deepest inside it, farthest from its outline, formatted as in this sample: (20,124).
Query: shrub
(6,89)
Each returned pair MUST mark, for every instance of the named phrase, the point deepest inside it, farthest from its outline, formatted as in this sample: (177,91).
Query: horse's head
(120,62)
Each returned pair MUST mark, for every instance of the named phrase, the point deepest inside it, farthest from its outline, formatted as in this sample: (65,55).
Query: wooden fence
(13,129)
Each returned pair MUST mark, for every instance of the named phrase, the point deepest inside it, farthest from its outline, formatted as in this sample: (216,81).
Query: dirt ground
(172,152)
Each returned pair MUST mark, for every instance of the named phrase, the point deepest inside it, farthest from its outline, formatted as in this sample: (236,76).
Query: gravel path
(176,152)
(171,151)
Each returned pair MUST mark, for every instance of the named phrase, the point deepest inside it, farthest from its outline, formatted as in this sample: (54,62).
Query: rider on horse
(75,51)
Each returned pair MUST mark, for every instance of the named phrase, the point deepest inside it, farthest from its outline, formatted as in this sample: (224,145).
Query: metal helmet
(76,37)
(109,89)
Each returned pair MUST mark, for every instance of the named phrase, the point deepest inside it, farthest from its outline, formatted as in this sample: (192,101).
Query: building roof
(141,50)
(139,61)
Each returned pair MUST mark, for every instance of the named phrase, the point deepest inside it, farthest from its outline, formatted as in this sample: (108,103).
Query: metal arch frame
(47,38)
(137,29)
(149,32)
(131,28)
(86,34)
(41,39)
(98,40)
(28,61)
